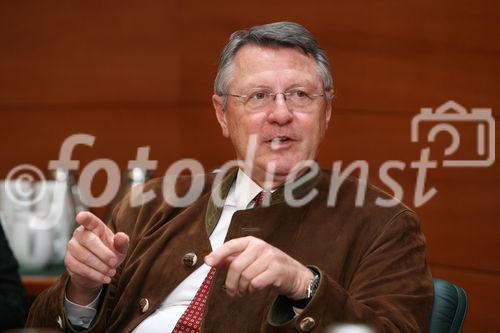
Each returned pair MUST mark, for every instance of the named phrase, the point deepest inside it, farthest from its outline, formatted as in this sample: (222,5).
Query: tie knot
(261,197)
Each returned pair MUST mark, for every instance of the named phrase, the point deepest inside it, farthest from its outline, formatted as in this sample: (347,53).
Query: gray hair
(279,34)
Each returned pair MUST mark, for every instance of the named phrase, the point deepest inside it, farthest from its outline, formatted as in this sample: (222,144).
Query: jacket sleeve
(391,290)
(48,308)
(12,298)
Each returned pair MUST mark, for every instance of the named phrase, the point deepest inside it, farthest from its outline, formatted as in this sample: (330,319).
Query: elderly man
(243,266)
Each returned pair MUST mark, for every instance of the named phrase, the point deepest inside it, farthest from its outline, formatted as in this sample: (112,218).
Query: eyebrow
(252,87)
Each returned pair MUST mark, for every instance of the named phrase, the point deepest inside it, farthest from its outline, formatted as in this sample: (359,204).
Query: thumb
(120,243)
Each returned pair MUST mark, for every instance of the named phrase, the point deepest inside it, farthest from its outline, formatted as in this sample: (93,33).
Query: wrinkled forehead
(267,65)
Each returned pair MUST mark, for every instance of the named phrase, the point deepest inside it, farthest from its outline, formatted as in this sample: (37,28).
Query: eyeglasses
(262,99)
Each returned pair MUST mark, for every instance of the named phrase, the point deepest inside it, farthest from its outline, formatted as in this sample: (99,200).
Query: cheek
(239,119)
(321,126)
(312,126)
(235,127)
(313,134)
(243,129)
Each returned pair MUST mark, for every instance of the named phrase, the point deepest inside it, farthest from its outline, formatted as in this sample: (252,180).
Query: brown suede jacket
(371,261)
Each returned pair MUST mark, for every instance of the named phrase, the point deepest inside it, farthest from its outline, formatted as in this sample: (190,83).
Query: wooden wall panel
(57,52)
(385,56)
(36,136)
(136,74)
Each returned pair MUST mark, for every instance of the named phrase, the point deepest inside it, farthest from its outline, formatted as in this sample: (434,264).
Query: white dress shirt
(164,319)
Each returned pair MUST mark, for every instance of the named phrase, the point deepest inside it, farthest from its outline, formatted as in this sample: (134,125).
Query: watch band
(313,286)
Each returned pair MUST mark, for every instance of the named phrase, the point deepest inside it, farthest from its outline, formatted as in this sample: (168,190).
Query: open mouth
(280,142)
(279,139)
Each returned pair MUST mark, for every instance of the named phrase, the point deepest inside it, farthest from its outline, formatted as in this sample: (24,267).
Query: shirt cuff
(81,315)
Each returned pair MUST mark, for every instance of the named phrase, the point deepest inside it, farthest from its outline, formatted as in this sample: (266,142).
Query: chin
(283,167)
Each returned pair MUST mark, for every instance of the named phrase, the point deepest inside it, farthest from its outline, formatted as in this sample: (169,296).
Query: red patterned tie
(190,321)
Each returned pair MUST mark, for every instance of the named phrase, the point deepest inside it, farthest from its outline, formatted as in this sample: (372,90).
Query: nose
(279,113)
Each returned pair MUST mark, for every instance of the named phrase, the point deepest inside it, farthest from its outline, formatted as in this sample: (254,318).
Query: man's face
(286,134)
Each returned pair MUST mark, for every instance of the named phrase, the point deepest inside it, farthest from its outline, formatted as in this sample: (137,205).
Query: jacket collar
(222,188)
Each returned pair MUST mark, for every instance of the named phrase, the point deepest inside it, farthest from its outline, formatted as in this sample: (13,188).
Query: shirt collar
(242,192)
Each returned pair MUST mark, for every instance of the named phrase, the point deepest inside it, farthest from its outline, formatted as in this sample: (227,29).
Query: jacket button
(307,324)
(189,259)
(144,304)
(60,322)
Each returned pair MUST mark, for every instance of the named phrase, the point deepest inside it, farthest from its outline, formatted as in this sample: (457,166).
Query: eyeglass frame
(275,94)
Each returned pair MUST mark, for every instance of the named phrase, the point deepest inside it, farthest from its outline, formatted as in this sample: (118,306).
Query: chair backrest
(449,309)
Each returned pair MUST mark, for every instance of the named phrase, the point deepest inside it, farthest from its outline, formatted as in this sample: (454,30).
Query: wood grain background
(140,73)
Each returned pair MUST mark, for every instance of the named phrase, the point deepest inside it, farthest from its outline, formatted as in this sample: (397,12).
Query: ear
(328,109)
(220,113)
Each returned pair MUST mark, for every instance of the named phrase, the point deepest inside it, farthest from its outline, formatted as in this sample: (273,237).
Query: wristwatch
(313,286)
(310,291)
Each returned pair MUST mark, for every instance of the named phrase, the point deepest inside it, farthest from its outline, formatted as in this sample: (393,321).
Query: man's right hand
(92,256)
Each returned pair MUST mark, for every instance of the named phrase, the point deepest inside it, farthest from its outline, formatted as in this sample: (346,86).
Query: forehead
(257,65)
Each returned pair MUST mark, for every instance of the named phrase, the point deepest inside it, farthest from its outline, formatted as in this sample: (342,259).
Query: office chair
(449,308)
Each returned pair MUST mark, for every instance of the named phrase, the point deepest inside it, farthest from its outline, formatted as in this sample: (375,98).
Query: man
(243,266)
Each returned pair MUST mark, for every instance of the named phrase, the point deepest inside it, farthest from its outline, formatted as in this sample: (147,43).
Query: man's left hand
(255,265)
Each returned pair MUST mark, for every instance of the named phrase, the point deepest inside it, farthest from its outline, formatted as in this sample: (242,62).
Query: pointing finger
(227,250)
(92,223)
